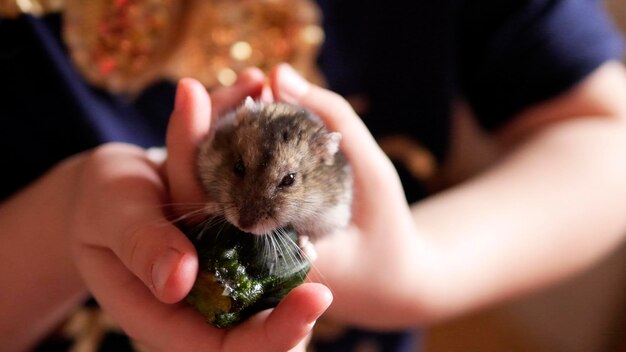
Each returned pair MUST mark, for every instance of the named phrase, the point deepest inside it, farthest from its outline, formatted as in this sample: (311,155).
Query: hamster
(266,166)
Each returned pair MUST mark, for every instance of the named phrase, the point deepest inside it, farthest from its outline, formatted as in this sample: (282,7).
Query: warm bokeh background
(585,314)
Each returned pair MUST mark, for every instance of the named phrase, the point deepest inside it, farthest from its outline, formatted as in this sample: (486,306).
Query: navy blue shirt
(410,60)
(48,112)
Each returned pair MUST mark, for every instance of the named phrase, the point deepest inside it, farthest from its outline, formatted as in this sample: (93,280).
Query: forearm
(39,281)
(551,208)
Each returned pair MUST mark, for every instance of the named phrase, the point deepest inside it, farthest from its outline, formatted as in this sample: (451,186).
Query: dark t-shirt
(408,60)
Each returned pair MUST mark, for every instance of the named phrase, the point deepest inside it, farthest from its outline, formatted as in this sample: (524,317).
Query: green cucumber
(238,276)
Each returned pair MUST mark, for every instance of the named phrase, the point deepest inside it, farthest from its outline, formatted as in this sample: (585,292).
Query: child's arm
(553,205)
(40,284)
(99,221)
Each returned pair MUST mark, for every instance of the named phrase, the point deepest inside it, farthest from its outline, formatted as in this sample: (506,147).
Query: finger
(336,112)
(158,326)
(149,245)
(161,256)
(266,94)
(180,328)
(284,327)
(302,346)
(371,167)
(249,83)
(188,125)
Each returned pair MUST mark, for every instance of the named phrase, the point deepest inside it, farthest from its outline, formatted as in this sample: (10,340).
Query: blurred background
(584,314)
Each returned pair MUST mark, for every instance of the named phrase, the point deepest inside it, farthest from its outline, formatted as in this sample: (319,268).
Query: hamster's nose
(248,218)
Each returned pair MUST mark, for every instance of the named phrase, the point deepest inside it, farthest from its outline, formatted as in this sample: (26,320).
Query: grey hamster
(269,165)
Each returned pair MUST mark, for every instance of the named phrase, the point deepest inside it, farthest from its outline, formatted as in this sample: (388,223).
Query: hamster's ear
(332,143)
(327,145)
(251,105)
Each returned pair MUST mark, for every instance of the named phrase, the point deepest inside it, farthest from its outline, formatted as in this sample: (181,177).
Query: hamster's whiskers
(209,224)
(195,213)
(294,254)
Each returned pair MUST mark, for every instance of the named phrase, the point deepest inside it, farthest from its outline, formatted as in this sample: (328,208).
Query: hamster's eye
(288,180)
(239,168)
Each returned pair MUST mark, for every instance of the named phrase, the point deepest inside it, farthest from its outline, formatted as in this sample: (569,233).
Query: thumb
(188,125)
(337,114)
(190,122)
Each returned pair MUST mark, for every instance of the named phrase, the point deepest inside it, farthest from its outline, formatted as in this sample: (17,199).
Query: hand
(275,330)
(371,267)
(138,265)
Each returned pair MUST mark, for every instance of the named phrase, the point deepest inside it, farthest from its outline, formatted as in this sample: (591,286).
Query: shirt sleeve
(514,54)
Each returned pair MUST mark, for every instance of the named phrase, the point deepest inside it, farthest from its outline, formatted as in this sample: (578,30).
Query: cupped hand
(370,267)
(139,266)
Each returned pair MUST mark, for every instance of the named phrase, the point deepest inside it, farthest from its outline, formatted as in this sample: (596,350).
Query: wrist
(35,242)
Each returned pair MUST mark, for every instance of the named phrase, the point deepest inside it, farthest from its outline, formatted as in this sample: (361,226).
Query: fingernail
(250,74)
(181,97)
(312,319)
(328,299)
(292,85)
(164,267)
